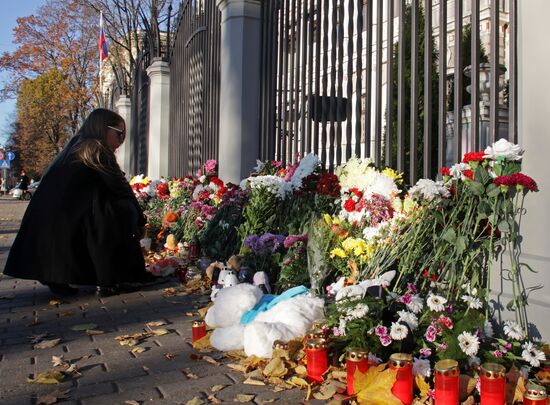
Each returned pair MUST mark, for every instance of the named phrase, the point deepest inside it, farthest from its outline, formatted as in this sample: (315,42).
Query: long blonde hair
(91,147)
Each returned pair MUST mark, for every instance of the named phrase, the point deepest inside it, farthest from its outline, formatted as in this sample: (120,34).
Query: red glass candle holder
(535,395)
(493,384)
(198,330)
(357,359)
(182,274)
(317,359)
(403,386)
(446,382)
(194,251)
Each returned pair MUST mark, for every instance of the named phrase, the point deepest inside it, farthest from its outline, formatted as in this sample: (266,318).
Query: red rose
(349,205)
(356,191)
(216,181)
(473,157)
(445,171)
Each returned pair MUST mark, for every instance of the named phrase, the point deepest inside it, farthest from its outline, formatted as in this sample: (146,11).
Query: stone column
(124,152)
(240,87)
(159,116)
(533,131)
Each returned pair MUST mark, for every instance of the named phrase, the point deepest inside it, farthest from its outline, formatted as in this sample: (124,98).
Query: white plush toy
(359,290)
(285,321)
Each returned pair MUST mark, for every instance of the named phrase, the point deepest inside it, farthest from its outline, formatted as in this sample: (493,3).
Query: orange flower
(170,217)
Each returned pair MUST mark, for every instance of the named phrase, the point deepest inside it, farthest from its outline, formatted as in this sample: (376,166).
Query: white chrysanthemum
(428,189)
(359,311)
(473,302)
(355,173)
(398,331)
(421,367)
(259,166)
(416,305)
(409,318)
(436,302)
(503,149)
(488,329)
(382,185)
(531,355)
(457,170)
(373,358)
(274,184)
(371,232)
(468,343)
(307,165)
(513,330)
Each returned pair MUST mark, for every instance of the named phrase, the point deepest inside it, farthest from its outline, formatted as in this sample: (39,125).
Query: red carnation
(520,179)
(216,181)
(349,205)
(473,157)
(328,184)
(356,191)
(445,171)
(469,174)
(503,181)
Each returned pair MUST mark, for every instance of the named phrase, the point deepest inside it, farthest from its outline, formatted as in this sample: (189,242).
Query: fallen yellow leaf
(203,343)
(374,386)
(326,391)
(92,332)
(47,344)
(275,368)
(159,332)
(138,349)
(195,401)
(244,398)
(47,377)
(252,381)
(218,388)
(54,303)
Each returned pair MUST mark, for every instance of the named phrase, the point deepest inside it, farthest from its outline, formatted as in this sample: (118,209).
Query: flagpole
(100,61)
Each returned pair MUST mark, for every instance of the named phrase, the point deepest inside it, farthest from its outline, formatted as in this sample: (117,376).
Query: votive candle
(446,382)
(317,359)
(357,359)
(198,330)
(535,395)
(403,386)
(493,384)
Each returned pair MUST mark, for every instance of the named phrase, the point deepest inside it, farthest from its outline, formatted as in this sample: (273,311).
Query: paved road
(110,373)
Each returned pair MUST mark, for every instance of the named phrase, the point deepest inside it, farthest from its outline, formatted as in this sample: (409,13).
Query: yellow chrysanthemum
(397,177)
(338,252)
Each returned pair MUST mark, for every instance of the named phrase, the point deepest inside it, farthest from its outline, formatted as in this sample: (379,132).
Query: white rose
(503,149)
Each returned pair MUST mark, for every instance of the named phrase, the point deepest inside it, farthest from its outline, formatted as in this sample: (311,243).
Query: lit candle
(535,395)
(403,386)
(198,330)
(357,359)
(493,384)
(317,359)
(446,382)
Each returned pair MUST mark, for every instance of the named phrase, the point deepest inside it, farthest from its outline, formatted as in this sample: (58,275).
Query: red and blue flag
(103,53)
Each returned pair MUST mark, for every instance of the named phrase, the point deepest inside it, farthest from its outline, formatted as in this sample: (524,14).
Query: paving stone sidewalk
(110,373)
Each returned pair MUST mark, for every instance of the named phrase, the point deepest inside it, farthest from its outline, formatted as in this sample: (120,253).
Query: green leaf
(477,188)
(492,191)
(460,244)
(503,226)
(449,235)
(482,175)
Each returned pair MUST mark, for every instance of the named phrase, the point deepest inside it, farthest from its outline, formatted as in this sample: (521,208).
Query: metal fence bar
(340,90)
(302,90)
(332,101)
(442,96)
(325,83)
(315,102)
(368,84)
(428,50)
(413,151)
(358,78)
(378,106)
(457,130)
(389,86)
(401,91)
(349,74)
(292,134)
(513,66)
(474,26)
(493,112)
(310,51)
(284,107)
(279,92)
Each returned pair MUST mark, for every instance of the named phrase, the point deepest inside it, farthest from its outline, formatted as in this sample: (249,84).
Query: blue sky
(8,16)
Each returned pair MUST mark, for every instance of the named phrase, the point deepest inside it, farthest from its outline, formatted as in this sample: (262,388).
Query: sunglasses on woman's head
(121,133)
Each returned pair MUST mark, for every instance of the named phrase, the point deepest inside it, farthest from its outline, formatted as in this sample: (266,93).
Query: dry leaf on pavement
(52,397)
(93,332)
(195,401)
(47,377)
(218,388)
(54,303)
(252,381)
(159,332)
(326,391)
(244,398)
(170,356)
(138,349)
(131,402)
(213,399)
(47,344)
(84,326)
(154,324)
(187,372)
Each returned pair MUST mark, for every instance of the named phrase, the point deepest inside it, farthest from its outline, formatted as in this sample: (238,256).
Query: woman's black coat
(81,227)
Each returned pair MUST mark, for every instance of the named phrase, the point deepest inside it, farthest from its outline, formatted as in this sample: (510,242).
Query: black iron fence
(140,112)
(379,79)
(194,87)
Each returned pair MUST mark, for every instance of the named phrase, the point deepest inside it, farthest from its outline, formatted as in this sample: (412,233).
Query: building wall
(534,136)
